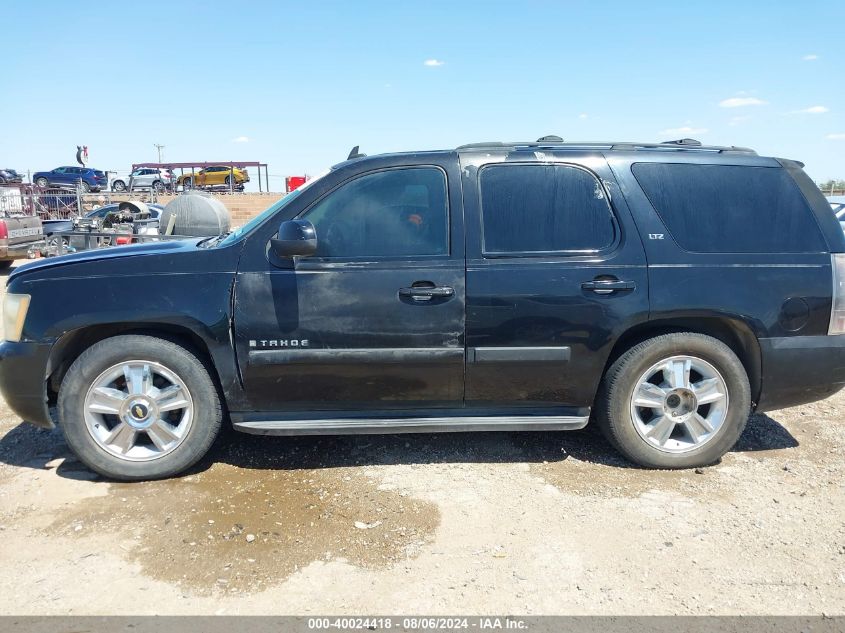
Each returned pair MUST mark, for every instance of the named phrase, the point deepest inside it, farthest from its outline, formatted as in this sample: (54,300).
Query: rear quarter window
(730,208)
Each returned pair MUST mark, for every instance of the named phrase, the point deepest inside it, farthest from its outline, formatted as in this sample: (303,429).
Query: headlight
(14,314)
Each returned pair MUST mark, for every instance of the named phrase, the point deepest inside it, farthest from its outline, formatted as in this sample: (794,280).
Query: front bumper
(23,380)
(800,369)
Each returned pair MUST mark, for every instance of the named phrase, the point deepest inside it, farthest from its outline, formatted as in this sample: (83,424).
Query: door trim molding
(559,354)
(386,355)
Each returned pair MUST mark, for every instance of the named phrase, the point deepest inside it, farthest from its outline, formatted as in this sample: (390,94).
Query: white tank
(197,214)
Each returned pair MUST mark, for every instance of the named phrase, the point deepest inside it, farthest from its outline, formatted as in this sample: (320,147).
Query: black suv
(666,290)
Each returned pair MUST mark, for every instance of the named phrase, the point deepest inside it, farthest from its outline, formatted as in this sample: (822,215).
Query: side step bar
(363,426)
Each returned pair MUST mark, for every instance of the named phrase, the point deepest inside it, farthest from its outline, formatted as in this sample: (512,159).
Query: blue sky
(297,84)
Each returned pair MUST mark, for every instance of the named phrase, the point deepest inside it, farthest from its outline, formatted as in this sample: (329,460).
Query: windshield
(259,219)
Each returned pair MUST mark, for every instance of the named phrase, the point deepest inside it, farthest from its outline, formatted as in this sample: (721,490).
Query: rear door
(555,273)
(375,319)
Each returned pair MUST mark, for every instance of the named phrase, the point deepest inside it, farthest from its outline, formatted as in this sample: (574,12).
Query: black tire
(157,186)
(118,185)
(41,182)
(613,403)
(85,186)
(5,264)
(188,183)
(228,180)
(207,414)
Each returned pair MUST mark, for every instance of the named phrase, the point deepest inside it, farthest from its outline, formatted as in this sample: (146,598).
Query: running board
(363,426)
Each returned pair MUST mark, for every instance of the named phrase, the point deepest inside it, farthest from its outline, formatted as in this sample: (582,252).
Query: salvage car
(9,176)
(665,291)
(88,179)
(214,176)
(144,178)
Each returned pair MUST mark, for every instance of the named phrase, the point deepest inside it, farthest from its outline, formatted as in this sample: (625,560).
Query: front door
(373,320)
(555,273)
(61,176)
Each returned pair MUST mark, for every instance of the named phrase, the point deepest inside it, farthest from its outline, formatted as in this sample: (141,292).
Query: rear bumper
(21,251)
(800,369)
(23,380)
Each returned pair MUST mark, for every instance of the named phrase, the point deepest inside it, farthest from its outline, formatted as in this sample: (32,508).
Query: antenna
(355,154)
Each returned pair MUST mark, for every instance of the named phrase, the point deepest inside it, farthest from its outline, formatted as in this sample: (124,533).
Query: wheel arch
(733,332)
(72,344)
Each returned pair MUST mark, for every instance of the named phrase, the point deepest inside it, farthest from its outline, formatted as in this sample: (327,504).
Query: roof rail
(684,145)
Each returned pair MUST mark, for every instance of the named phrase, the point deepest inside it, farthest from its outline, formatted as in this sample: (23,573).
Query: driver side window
(393,213)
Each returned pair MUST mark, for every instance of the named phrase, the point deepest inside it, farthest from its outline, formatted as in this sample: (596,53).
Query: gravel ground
(527,523)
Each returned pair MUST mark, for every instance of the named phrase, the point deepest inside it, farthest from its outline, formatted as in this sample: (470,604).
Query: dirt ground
(531,523)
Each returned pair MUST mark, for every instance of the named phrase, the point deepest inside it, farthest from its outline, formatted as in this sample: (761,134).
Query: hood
(170,247)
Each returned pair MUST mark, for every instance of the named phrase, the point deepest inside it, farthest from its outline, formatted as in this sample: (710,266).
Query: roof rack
(686,145)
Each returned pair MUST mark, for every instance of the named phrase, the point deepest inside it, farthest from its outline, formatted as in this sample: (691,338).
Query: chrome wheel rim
(679,404)
(138,410)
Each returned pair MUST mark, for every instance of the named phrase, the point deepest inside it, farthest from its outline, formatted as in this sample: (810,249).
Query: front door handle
(426,290)
(606,286)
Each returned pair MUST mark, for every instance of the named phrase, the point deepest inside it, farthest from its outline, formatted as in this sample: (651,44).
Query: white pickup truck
(21,235)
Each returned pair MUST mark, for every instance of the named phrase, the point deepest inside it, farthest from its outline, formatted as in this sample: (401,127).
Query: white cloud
(241,139)
(683,131)
(812,110)
(433,62)
(835,137)
(738,120)
(810,58)
(740,102)
(583,115)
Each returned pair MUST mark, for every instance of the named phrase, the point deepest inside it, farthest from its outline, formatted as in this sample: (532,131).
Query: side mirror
(296,237)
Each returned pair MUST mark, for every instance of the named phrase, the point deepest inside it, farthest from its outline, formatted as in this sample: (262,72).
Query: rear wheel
(158,186)
(5,264)
(85,186)
(187,184)
(137,407)
(118,185)
(675,401)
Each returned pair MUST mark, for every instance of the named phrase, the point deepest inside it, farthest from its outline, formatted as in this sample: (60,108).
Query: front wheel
(137,407)
(675,401)
(41,182)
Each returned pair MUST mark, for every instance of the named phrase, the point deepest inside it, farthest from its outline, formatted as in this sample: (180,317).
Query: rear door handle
(426,292)
(606,286)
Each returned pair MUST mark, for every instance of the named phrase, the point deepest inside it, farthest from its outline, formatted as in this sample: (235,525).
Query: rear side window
(730,208)
(534,209)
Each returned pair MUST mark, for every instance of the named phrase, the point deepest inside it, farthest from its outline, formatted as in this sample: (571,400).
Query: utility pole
(159,148)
